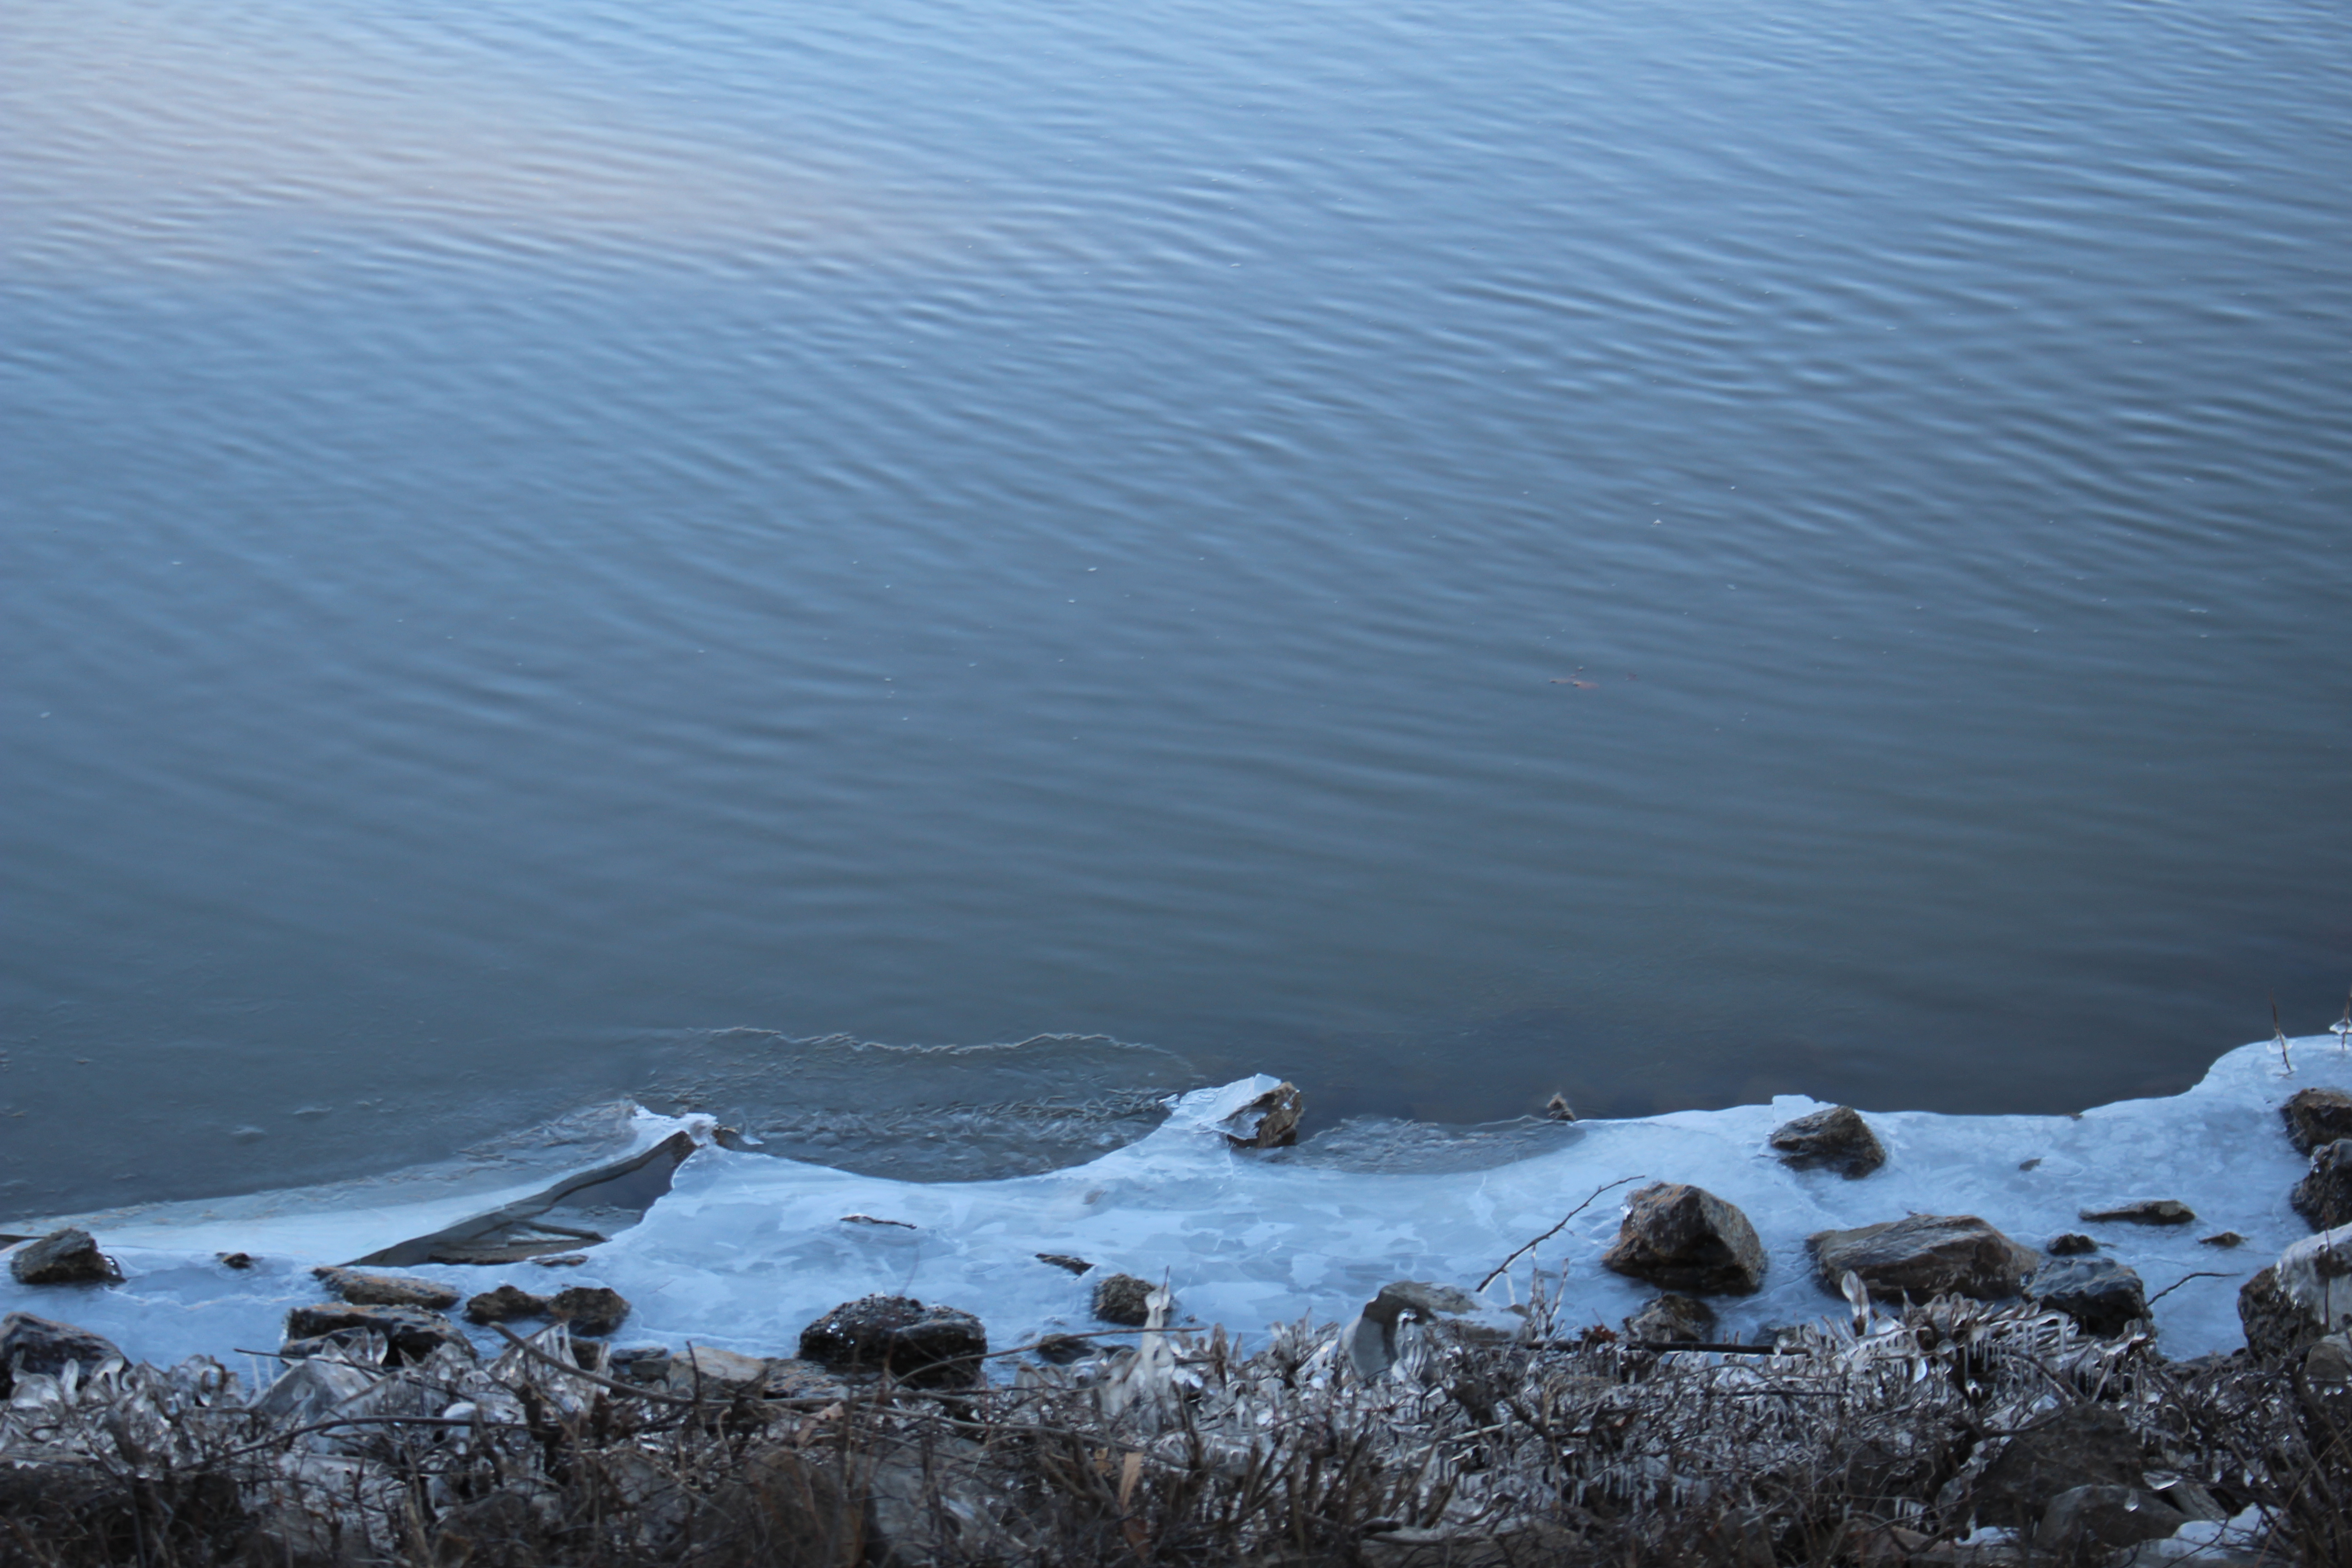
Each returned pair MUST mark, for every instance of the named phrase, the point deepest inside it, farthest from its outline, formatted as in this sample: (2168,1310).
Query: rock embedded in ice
(591,1310)
(2078,1446)
(2221,1239)
(1123,1299)
(2306,1294)
(1837,1139)
(705,1372)
(69,1257)
(1557,1109)
(2323,1197)
(1063,1260)
(388,1290)
(505,1304)
(922,1345)
(1686,1238)
(1268,1121)
(1923,1256)
(1672,1317)
(2317,1116)
(2147,1211)
(2102,1294)
(2084,1518)
(2071,1244)
(32,1345)
(412,1331)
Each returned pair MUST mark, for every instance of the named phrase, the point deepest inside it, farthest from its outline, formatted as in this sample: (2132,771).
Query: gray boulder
(388,1290)
(2083,1518)
(2303,1295)
(2102,1294)
(1123,1299)
(1837,1139)
(31,1344)
(1682,1237)
(412,1332)
(2077,1446)
(2323,1197)
(2314,1117)
(1924,1256)
(1672,1318)
(67,1257)
(922,1345)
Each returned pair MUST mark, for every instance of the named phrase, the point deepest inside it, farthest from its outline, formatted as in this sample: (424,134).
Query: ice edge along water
(747,1248)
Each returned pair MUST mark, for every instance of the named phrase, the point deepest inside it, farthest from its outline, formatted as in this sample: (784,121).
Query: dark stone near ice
(640,1363)
(922,1345)
(32,1345)
(1063,1260)
(1672,1317)
(2221,1239)
(360,1347)
(67,1257)
(1557,1109)
(1837,1139)
(388,1290)
(2080,1446)
(1924,1256)
(2073,1243)
(1061,1349)
(1269,1122)
(2102,1294)
(592,1310)
(2323,1197)
(238,1260)
(2147,1211)
(413,1332)
(2314,1117)
(1682,1237)
(1123,1299)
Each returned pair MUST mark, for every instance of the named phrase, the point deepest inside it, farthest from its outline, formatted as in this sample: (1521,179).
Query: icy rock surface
(747,1249)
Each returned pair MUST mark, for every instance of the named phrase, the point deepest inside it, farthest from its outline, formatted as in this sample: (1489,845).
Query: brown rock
(1686,1238)
(1837,1139)
(1123,1299)
(1269,1122)
(67,1257)
(412,1332)
(2079,1446)
(388,1290)
(2317,1116)
(2323,1197)
(505,1305)
(2148,1211)
(592,1310)
(2073,1243)
(1671,1318)
(2102,1294)
(2221,1239)
(921,1345)
(1925,1256)
(32,1345)
(2305,1294)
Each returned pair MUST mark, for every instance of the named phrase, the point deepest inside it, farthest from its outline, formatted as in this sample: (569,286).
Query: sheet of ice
(746,1249)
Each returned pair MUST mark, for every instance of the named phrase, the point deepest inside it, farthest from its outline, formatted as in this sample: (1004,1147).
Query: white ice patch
(747,1248)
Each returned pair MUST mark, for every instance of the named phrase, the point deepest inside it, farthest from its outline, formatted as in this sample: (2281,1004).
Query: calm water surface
(1671,550)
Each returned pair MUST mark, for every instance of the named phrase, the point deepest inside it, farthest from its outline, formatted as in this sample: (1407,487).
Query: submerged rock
(923,1345)
(1063,1260)
(505,1304)
(2148,1211)
(1123,1299)
(1686,1238)
(592,1310)
(33,1344)
(388,1290)
(1924,1256)
(1672,1317)
(1269,1122)
(413,1332)
(1837,1139)
(2323,1197)
(2072,1244)
(2303,1297)
(67,1257)
(2102,1294)
(2315,1117)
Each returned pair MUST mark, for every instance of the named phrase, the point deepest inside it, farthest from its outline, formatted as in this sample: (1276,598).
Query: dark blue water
(1672,552)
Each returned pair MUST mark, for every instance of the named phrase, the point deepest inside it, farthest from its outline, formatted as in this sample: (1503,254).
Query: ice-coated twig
(1555,1230)
(2278,1037)
(2342,1027)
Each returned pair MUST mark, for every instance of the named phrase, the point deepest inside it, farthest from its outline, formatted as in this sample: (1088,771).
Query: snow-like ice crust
(746,1249)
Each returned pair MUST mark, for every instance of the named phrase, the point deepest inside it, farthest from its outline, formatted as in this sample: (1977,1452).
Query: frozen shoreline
(745,1249)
